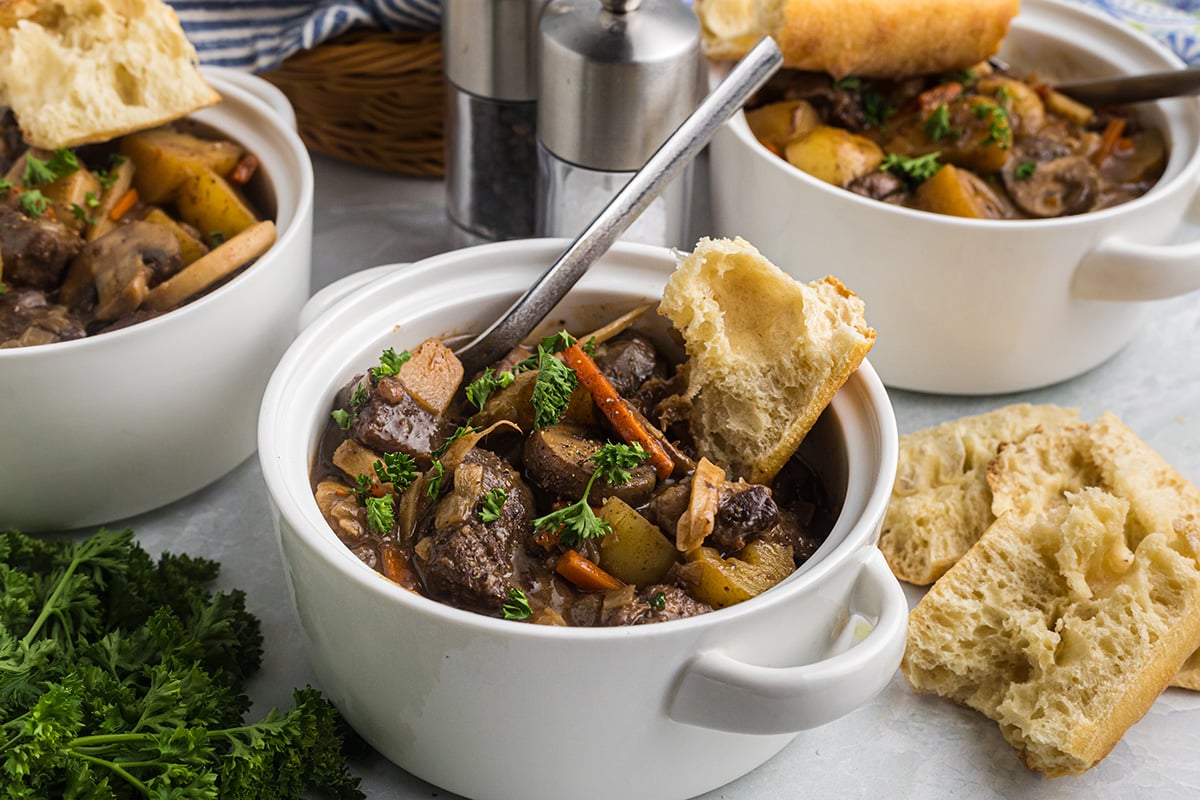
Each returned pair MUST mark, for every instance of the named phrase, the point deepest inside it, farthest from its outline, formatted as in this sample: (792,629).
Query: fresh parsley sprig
(483,387)
(492,505)
(517,605)
(381,513)
(614,461)
(552,389)
(398,469)
(575,522)
(390,363)
(937,124)
(913,171)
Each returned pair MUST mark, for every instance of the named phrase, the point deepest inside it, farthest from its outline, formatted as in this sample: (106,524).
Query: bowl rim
(1187,173)
(287,235)
(297,513)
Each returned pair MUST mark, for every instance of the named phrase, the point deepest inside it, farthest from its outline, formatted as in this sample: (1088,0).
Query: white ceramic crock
(106,427)
(978,306)
(500,710)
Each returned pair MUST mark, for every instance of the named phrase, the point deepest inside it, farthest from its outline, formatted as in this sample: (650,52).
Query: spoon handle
(1135,89)
(677,151)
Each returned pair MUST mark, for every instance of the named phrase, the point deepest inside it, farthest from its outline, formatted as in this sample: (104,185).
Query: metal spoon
(680,148)
(1134,89)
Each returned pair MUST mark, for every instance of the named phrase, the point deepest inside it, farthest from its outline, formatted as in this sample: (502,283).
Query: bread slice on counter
(81,71)
(767,352)
(1062,626)
(1039,472)
(876,38)
(941,502)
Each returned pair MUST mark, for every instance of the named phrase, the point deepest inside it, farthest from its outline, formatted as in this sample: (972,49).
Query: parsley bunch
(123,678)
(577,522)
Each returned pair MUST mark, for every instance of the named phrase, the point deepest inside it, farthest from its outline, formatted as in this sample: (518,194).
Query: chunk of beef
(471,563)
(656,603)
(28,318)
(35,252)
(628,361)
(668,505)
(877,185)
(391,421)
(743,515)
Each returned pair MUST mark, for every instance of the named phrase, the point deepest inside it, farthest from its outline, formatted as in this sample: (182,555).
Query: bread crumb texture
(80,71)
(767,352)
(941,501)
(1064,622)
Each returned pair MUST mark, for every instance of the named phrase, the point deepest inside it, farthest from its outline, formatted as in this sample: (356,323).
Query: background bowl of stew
(111,425)
(664,710)
(975,306)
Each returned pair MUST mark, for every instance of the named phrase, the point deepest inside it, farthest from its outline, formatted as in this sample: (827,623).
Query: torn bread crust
(1062,626)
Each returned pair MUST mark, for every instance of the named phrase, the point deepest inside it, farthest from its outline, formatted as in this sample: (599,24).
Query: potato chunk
(635,550)
(834,155)
(722,582)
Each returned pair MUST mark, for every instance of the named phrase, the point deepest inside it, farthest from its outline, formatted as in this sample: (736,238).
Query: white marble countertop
(900,745)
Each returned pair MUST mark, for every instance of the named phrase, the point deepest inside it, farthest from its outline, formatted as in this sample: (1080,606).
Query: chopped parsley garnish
(1004,94)
(552,389)
(577,521)
(34,202)
(937,126)
(875,109)
(459,432)
(3,288)
(359,397)
(551,344)
(913,171)
(342,418)
(1025,170)
(82,215)
(62,162)
(435,483)
(614,461)
(215,238)
(479,390)
(964,76)
(999,131)
(91,200)
(390,363)
(364,487)
(850,82)
(517,605)
(658,601)
(5,185)
(381,513)
(106,179)
(493,502)
(398,469)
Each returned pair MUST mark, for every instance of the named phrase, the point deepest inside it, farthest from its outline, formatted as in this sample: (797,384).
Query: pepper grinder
(490,56)
(615,79)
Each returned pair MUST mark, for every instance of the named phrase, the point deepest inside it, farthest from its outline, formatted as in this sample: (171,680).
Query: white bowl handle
(328,297)
(1117,269)
(718,691)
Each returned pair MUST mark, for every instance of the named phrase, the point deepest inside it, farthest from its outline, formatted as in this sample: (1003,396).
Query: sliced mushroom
(1063,186)
(114,272)
(558,459)
(214,266)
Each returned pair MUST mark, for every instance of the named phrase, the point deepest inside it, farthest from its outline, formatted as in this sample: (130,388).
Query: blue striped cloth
(256,35)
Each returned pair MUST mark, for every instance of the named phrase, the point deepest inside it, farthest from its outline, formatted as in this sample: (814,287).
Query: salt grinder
(489,55)
(616,78)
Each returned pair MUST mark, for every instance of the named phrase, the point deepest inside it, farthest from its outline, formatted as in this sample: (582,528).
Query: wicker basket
(372,98)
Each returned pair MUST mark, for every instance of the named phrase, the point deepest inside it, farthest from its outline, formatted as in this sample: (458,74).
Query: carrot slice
(585,574)
(1108,140)
(122,206)
(244,170)
(614,407)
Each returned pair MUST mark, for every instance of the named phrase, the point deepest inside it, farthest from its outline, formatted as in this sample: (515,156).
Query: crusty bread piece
(880,38)
(1061,627)
(940,501)
(767,352)
(81,71)
(1039,472)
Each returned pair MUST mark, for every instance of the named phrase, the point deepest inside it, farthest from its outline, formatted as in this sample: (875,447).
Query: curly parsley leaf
(343,418)
(483,387)
(517,605)
(552,389)
(1024,171)
(999,128)
(876,109)
(34,203)
(937,124)
(493,503)
(124,678)
(390,363)
(381,513)
(575,522)
(614,461)
(459,432)
(398,469)
(434,485)
(913,171)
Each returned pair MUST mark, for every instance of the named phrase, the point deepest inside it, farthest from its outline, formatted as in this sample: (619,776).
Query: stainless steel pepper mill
(616,77)
(490,61)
